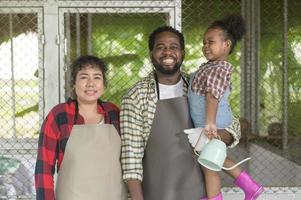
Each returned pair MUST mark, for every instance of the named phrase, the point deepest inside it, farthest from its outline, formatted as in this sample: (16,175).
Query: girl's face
(89,84)
(215,47)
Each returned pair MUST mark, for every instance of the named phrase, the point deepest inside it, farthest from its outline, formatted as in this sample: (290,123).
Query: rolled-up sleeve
(132,149)
(234,130)
(46,158)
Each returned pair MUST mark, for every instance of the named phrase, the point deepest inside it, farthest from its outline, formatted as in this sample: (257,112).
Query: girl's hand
(210,130)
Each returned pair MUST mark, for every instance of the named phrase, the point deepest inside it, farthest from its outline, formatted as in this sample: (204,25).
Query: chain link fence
(19,99)
(294,81)
(122,44)
(119,35)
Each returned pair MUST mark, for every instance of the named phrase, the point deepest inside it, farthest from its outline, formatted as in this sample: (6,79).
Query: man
(157,160)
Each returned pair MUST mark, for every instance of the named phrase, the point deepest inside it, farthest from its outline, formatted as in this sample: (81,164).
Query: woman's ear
(73,94)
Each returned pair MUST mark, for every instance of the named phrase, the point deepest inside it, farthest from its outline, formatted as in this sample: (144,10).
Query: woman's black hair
(153,35)
(233,27)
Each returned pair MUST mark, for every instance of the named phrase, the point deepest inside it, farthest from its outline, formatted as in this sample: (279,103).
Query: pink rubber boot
(250,187)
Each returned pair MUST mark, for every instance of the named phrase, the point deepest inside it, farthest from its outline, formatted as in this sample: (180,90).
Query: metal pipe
(285,77)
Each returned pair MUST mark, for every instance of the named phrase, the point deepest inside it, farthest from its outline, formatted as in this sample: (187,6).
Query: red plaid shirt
(213,77)
(54,135)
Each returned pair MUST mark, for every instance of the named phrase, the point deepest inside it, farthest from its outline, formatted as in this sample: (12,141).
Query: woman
(80,139)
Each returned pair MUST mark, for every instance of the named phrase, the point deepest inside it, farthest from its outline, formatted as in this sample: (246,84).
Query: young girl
(208,94)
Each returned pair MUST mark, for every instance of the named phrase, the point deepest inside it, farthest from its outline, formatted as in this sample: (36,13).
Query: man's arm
(225,136)
(231,135)
(234,132)
(132,149)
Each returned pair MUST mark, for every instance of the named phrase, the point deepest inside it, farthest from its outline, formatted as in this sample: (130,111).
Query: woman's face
(89,84)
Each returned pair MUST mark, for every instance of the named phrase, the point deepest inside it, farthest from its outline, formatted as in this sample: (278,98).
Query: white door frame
(171,8)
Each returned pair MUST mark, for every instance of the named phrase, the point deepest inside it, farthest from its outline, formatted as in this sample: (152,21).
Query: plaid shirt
(54,135)
(136,117)
(212,77)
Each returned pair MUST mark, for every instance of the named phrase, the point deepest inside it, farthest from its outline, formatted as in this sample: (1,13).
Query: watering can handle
(229,168)
(195,151)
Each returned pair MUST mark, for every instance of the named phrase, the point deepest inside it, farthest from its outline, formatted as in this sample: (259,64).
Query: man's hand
(135,189)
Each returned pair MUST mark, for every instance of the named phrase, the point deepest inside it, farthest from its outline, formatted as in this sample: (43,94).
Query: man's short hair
(153,35)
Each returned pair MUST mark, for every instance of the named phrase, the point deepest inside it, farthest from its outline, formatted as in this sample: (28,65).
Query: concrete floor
(265,197)
(272,193)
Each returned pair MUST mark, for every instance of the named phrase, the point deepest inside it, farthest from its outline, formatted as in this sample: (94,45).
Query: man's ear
(150,54)
(183,53)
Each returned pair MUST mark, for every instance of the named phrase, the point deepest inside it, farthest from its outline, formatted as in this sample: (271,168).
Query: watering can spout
(229,168)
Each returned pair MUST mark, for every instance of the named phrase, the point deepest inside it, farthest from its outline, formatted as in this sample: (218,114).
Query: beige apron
(91,167)
(171,171)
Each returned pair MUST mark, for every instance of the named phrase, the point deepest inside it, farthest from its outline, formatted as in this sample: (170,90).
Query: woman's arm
(46,158)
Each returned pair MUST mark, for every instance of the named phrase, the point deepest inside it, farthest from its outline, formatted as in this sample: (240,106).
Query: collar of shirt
(80,120)
(216,63)
(171,91)
(152,83)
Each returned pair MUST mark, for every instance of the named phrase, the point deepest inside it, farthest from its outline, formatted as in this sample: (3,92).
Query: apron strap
(99,102)
(76,113)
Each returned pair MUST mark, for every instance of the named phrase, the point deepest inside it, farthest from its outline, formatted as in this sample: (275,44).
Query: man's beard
(166,71)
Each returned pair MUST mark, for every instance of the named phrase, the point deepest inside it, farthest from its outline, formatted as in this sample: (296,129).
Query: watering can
(213,152)
(213,156)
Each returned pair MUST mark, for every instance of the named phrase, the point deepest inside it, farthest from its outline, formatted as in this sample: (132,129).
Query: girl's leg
(212,182)
(233,172)
(243,180)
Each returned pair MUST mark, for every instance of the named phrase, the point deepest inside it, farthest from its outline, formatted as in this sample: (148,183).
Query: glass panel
(120,39)
(19,98)
(18,76)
